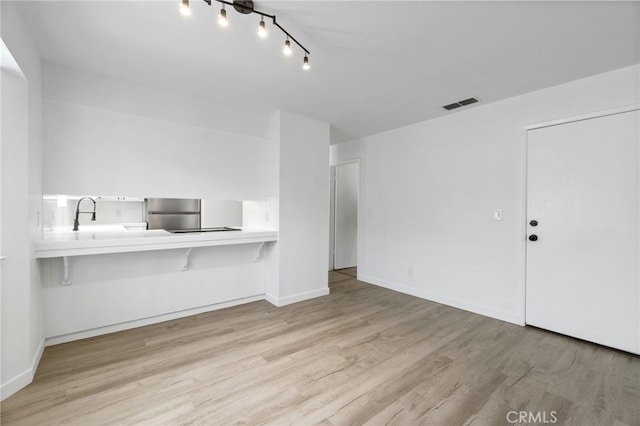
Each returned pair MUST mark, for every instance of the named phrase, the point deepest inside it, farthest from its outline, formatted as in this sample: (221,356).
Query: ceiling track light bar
(242,8)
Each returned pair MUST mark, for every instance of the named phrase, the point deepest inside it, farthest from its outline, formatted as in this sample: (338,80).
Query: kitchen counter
(107,278)
(102,239)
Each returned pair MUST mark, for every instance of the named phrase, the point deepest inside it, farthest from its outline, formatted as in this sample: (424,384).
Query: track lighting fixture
(245,7)
(287,47)
(222,17)
(184,8)
(262,29)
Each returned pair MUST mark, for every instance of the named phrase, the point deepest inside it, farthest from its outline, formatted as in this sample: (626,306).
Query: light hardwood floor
(363,354)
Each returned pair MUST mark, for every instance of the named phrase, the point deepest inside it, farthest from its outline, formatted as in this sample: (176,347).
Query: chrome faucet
(76,223)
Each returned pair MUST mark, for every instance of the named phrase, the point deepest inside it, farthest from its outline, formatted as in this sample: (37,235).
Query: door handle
(533,237)
(533,223)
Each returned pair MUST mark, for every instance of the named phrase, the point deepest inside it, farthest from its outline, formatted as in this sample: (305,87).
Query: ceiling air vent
(459,104)
(452,106)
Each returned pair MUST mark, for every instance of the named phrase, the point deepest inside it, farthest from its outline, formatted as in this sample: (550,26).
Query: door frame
(333,211)
(525,173)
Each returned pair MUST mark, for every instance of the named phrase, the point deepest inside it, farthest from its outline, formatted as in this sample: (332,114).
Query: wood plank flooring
(363,354)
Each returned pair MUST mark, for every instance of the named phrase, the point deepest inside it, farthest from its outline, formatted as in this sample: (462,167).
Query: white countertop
(101,239)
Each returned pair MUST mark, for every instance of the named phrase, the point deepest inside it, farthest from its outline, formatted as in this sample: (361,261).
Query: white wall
(95,151)
(111,137)
(272,188)
(124,290)
(304,205)
(298,176)
(71,86)
(428,192)
(21,208)
(15,268)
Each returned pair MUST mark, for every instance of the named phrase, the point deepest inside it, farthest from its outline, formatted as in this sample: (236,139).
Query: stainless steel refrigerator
(173,214)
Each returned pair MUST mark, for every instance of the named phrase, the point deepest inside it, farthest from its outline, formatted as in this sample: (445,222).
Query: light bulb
(184,8)
(262,29)
(222,18)
(287,48)
(305,64)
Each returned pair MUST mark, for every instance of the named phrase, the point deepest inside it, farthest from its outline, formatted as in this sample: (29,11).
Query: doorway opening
(345,190)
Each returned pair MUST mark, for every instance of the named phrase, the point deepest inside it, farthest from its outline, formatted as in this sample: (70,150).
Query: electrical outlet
(497,214)
(410,271)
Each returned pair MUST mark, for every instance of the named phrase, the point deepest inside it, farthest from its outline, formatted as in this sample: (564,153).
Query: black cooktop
(194,230)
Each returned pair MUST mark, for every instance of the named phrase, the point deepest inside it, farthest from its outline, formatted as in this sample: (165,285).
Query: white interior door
(346,215)
(583,190)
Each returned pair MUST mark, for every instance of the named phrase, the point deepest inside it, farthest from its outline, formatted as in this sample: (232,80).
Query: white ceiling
(375,65)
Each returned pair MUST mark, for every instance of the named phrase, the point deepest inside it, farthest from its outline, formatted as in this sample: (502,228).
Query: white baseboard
(271,299)
(297,297)
(55,340)
(445,300)
(24,378)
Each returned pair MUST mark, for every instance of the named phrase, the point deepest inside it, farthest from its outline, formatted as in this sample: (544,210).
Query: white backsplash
(59,212)
(220,213)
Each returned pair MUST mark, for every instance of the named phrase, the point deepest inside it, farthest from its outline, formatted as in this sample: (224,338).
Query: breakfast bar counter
(117,239)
